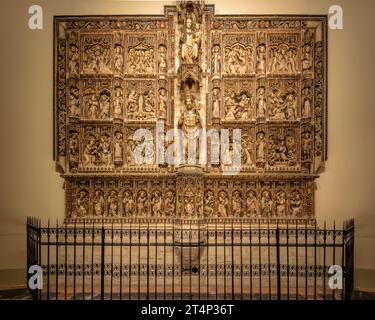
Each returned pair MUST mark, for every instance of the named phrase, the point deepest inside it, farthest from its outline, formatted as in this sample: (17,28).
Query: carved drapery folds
(192,70)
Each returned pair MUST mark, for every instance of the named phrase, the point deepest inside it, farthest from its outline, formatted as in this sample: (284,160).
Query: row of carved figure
(98,54)
(238,59)
(282,59)
(140,104)
(276,105)
(143,57)
(264,204)
(133,205)
(220,204)
(103,150)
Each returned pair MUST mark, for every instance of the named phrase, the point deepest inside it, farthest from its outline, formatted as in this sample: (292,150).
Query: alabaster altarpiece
(190,69)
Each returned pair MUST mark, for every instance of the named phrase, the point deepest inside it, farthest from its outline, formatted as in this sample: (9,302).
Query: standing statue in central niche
(190,123)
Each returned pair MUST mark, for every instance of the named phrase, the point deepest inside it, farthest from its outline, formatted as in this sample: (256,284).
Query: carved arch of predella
(263,74)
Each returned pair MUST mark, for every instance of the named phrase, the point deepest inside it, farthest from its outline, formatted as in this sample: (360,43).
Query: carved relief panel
(116,77)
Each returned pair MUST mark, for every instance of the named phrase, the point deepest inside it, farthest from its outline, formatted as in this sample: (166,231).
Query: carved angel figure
(142,203)
(261,103)
(222,207)
(306,146)
(266,204)
(128,204)
(209,202)
(74,101)
(119,59)
(261,59)
(306,58)
(162,59)
(280,204)
(261,147)
(216,59)
(237,203)
(73,59)
(112,203)
(296,204)
(252,204)
(163,103)
(117,102)
(156,202)
(73,147)
(82,207)
(98,203)
(169,204)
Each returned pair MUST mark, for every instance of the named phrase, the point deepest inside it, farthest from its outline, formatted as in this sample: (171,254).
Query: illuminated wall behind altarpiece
(190,69)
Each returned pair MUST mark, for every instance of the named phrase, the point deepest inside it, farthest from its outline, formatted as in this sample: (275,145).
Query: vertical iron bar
(287,258)
(66,260)
(207,254)
(199,261)
(74,259)
(306,273)
(130,259)
(269,260)
(260,261)
(297,260)
(156,262)
(181,269)
(92,259)
(225,261)
(111,294)
(190,267)
(40,250)
(343,291)
(324,260)
(251,260)
(278,262)
(173,268)
(148,262)
(315,261)
(83,262)
(139,260)
(334,254)
(57,260)
(216,259)
(241,297)
(121,249)
(232,259)
(165,257)
(48,267)
(102,271)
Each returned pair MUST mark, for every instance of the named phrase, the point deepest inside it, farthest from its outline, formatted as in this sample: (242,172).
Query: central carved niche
(190,69)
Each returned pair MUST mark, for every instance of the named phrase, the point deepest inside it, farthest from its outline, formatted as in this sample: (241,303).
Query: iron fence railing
(191,260)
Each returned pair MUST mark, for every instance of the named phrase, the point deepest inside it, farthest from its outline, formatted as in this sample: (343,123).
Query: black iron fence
(190,260)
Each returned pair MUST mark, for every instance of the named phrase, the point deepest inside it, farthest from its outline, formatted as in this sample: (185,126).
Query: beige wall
(30,186)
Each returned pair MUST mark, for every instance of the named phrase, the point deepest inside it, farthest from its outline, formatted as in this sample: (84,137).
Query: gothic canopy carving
(191,70)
